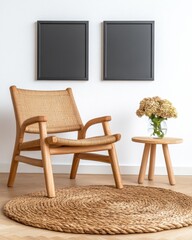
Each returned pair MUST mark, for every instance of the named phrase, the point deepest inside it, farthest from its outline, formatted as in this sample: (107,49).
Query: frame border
(105,52)
(39,24)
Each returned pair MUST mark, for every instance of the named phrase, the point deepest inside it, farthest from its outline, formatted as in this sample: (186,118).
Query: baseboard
(95,169)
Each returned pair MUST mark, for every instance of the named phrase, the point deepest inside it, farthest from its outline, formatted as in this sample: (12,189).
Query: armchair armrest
(31,121)
(27,122)
(93,122)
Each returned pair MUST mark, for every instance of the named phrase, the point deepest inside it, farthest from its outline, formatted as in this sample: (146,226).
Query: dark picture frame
(62,50)
(128,50)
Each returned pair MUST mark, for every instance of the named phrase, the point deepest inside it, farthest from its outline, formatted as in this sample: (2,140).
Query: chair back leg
(75,166)
(13,171)
(14,164)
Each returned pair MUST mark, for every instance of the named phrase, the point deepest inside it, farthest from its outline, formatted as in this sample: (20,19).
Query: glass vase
(157,128)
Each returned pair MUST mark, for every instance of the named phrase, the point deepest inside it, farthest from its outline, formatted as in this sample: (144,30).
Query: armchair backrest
(58,106)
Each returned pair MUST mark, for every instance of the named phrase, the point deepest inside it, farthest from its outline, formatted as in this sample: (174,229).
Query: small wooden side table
(150,146)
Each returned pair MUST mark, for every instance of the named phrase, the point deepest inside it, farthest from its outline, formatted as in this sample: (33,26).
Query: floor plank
(27,183)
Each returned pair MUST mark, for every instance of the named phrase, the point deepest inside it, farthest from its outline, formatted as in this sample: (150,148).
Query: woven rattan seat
(59,142)
(100,140)
(46,113)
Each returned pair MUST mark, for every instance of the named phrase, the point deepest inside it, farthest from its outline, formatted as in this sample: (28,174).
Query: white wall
(120,99)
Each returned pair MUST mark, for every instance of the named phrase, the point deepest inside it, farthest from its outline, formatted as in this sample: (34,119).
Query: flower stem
(156,124)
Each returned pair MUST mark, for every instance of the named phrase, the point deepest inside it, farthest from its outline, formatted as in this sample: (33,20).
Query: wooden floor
(27,183)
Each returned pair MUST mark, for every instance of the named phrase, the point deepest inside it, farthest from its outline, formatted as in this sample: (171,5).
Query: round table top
(150,140)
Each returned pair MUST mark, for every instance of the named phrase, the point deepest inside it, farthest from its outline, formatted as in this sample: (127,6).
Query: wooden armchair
(51,112)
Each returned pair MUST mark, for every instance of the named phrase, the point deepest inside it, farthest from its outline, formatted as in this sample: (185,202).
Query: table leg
(144,163)
(168,164)
(152,162)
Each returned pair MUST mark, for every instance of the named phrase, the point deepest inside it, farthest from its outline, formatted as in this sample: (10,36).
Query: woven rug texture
(103,210)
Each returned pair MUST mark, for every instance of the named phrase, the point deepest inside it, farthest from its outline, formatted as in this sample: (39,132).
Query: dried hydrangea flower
(157,107)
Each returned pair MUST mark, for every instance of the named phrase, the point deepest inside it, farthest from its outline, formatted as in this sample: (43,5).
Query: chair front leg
(115,167)
(46,158)
(113,156)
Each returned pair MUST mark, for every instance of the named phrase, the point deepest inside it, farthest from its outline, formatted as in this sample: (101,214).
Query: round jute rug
(103,210)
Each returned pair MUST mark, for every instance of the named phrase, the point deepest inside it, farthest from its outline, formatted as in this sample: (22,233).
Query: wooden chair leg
(14,165)
(75,166)
(115,167)
(48,172)
(46,158)
(13,171)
